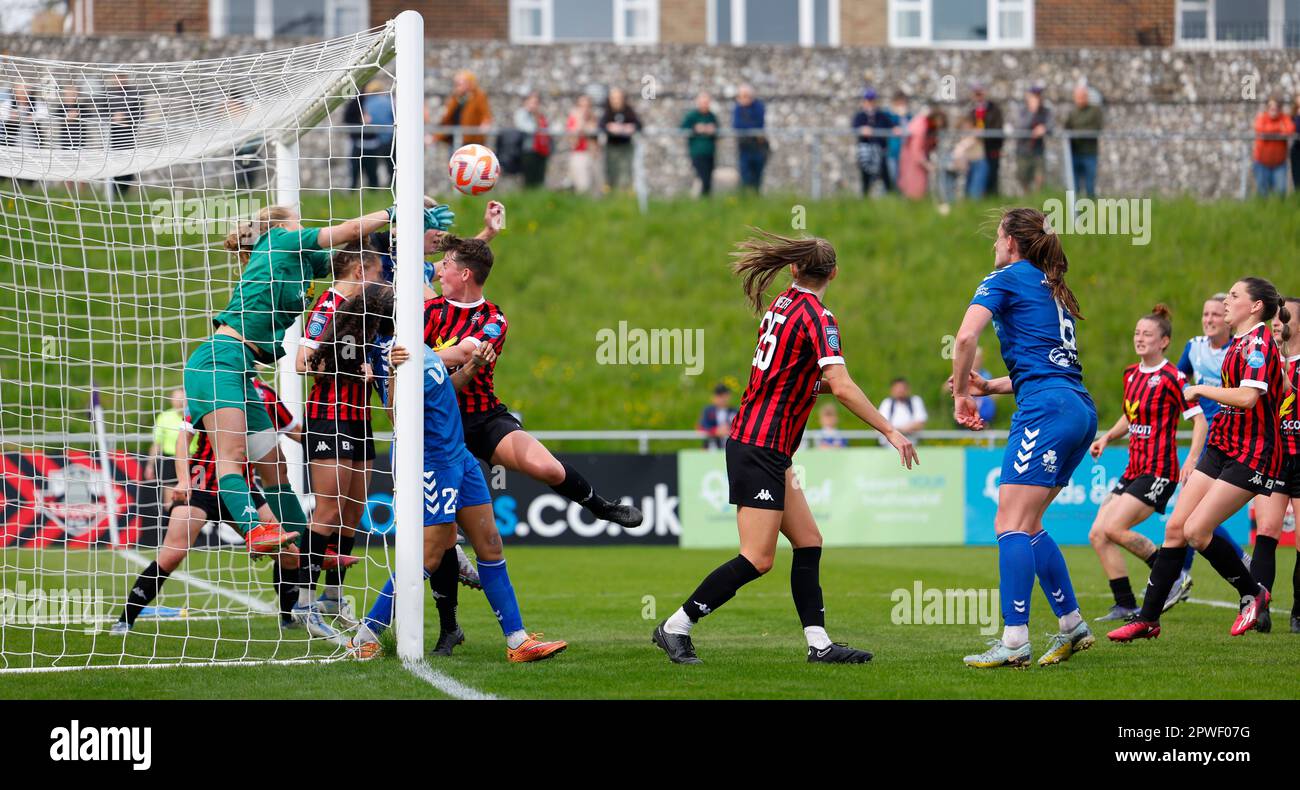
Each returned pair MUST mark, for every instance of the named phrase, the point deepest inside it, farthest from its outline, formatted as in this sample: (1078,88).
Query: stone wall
(1210,95)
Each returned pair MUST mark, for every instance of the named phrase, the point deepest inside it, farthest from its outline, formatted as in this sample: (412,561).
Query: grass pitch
(605,602)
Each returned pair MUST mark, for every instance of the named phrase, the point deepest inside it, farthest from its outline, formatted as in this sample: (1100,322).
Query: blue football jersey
(1201,363)
(444,438)
(1036,332)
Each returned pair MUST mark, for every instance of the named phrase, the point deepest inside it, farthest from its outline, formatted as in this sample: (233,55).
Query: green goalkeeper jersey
(272,291)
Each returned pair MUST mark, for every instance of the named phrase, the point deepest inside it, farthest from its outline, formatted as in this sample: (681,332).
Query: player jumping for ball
(1054,423)
(455,491)
(799,356)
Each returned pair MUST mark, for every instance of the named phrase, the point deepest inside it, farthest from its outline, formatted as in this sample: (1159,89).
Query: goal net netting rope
(118,186)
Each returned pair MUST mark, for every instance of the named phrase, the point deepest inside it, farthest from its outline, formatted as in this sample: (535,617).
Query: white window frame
(995,39)
(619,33)
(1276,21)
(264,21)
(807,23)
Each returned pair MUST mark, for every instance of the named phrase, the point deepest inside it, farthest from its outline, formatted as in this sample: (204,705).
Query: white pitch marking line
(444,683)
(256,604)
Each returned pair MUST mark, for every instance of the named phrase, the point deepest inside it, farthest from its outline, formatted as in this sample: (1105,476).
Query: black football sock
(1228,564)
(286,590)
(346,543)
(1168,564)
(312,557)
(1263,562)
(445,594)
(143,591)
(1123,592)
(720,586)
(574,486)
(1151,560)
(805,586)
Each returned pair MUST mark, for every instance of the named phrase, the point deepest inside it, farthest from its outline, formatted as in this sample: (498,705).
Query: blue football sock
(501,595)
(1016,576)
(380,615)
(1053,574)
(1187,562)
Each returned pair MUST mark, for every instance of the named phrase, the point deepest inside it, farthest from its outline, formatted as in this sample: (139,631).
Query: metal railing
(818,138)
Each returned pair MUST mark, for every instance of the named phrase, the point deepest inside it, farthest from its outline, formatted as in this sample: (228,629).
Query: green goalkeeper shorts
(219,375)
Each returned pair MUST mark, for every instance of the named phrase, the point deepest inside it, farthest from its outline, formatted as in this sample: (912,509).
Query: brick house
(956,24)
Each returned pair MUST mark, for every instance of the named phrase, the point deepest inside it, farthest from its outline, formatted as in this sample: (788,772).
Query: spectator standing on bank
(620,123)
(353,120)
(1270,152)
(377,137)
(986,116)
(902,116)
(466,106)
(1034,121)
(702,143)
(124,109)
(914,166)
(715,420)
(1295,144)
(749,115)
(530,120)
(873,126)
(1086,117)
(582,127)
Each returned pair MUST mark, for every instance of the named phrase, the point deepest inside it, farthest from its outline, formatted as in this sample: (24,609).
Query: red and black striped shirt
(1288,414)
(447,323)
(797,337)
(1250,436)
(203,458)
(340,396)
(1153,404)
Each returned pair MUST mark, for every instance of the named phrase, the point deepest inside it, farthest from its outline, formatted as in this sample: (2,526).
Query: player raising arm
(1055,420)
(799,351)
(1153,405)
(1244,459)
(455,491)
(280,258)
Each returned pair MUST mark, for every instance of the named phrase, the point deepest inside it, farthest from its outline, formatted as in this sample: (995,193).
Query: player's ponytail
(1039,245)
(761,258)
(1161,316)
(244,237)
(355,323)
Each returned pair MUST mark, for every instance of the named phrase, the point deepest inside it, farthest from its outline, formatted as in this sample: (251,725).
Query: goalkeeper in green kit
(280,260)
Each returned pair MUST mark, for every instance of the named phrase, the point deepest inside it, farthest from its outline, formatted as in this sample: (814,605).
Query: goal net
(119,184)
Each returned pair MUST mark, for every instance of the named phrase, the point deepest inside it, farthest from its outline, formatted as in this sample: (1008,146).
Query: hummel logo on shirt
(764,495)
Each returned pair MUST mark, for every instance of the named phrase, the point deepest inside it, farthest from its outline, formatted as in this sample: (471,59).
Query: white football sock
(1071,621)
(1013,636)
(817,637)
(678,623)
(516,639)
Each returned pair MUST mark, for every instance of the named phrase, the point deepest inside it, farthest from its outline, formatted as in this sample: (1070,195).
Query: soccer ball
(474,169)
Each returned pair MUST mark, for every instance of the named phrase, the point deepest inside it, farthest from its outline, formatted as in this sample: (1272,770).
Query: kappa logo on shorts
(322,447)
(1258,480)
(764,495)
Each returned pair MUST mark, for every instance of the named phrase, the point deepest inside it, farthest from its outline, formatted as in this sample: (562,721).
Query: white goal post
(119,183)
